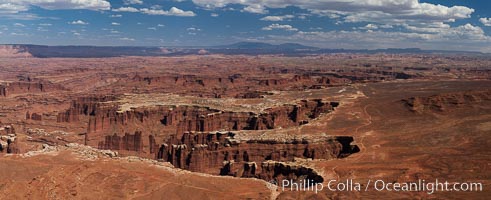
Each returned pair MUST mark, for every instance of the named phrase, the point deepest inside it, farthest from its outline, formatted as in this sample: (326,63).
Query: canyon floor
(235,127)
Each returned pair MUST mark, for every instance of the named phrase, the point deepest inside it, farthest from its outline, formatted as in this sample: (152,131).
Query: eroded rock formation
(197,139)
(34,116)
(128,142)
(235,85)
(82,106)
(8,142)
(447,101)
(105,119)
(219,153)
(30,86)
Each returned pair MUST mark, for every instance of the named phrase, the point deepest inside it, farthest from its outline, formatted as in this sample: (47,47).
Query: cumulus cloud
(125,9)
(467,35)
(78,22)
(485,21)
(12,7)
(115,24)
(279,26)
(256,8)
(178,12)
(128,2)
(378,11)
(277,18)
(392,19)
(155,11)
(172,12)
(369,27)
(441,31)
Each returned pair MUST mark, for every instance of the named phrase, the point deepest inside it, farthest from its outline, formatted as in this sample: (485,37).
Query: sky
(349,24)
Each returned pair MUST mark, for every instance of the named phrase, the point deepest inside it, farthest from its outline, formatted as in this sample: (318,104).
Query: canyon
(223,126)
(186,136)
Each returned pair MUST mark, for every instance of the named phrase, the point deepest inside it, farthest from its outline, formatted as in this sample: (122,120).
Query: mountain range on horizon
(246,48)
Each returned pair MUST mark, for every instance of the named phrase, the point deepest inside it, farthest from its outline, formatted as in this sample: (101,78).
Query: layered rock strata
(219,153)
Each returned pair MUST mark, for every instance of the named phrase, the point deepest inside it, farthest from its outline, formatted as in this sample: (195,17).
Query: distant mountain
(295,46)
(398,51)
(241,48)
(247,45)
(90,51)
(260,45)
(13,51)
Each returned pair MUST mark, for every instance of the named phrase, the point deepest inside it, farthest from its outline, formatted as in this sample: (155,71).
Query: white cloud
(78,22)
(369,27)
(156,7)
(279,26)
(127,39)
(16,6)
(72,4)
(19,25)
(160,25)
(152,28)
(155,11)
(256,8)
(20,16)
(387,11)
(172,12)
(115,16)
(45,24)
(18,34)
(42,29)
(115,24)
(485,21)
(277,18)
(128,2)
(192,29)
(403,18)
(125,9)
(214,15)
(11,8)
(386,26)
(470,37)
(435,27)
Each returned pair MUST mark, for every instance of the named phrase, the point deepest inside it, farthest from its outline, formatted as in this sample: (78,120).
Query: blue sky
(360,24)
